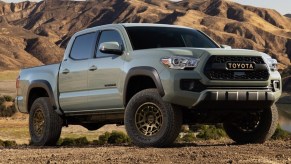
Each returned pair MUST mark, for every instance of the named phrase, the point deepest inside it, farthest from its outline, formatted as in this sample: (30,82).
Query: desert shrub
(7,143)
(103,139)
(118,137)
(73,141)
(59,142)
(81,141)
(188,137)
(7,111)
(2,100)
(8,98)
(2,143)
(281,134)
(115,137)
(68,142)
(211,132)
(10,143)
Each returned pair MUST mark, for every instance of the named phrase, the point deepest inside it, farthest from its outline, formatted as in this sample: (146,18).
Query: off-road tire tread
(262,134)
(53,123)
(174,122)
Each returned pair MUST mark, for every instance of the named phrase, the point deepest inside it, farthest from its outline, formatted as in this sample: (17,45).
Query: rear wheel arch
(39,88)
(148,75)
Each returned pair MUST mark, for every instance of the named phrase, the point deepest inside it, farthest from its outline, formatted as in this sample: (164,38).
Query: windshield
(159,37)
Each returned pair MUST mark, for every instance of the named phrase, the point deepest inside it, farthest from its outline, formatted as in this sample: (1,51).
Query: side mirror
(227,47)
(110,48)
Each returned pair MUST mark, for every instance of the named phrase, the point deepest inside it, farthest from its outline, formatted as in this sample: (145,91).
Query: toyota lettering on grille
(240,66)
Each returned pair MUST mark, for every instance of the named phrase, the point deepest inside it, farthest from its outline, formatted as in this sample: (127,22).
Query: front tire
(254,127)
(45,124)
(149,121)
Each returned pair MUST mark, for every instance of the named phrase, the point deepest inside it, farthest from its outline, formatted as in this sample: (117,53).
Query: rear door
(105,80)
(73,75)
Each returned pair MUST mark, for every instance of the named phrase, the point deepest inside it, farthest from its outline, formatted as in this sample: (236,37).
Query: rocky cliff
(37,33)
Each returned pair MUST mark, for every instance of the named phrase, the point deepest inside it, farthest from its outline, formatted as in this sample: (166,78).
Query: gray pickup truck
(151,78)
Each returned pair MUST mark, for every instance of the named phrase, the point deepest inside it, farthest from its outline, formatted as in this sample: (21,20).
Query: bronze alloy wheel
(148,119)
(249,122)
(38,122)
(253,127)
(45,125)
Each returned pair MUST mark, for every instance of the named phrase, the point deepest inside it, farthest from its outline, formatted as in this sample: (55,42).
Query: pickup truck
(152,78)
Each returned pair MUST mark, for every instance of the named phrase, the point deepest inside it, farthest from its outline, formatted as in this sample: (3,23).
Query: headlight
(179,62)
(272,63)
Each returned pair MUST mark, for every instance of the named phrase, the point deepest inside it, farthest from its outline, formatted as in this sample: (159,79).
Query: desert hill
(37,33)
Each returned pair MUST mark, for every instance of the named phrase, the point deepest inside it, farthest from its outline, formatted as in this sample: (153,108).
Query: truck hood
(197,52)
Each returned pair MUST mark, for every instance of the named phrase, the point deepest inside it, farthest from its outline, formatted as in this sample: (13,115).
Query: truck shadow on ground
(175,145)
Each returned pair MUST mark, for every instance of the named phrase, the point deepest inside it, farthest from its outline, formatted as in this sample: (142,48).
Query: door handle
(93,68)
(65,71)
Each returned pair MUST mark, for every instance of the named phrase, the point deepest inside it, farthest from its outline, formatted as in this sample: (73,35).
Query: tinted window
(158,37)
(83,46)
(109,36)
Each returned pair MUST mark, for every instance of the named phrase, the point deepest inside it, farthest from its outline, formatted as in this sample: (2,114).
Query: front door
(105,77)
(73,75)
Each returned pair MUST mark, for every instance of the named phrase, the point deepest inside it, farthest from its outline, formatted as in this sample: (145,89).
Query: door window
(83,46)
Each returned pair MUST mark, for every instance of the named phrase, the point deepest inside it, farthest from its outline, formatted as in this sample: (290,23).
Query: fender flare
(44,85)
(143,71)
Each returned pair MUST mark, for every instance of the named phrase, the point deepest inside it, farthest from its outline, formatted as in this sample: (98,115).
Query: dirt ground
(222,151)
(199,152)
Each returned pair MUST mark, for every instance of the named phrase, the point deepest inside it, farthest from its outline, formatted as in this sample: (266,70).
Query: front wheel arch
(143,71)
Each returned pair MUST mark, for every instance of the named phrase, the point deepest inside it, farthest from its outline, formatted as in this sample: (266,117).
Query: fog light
(191,85)
(275,85)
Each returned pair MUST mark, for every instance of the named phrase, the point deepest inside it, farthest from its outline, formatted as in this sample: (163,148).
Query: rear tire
(149,121)
(45,124)
(253,128)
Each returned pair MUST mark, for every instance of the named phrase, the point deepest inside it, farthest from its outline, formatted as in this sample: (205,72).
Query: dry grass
(8,75)
(7,82)
(7,87)
(14,130)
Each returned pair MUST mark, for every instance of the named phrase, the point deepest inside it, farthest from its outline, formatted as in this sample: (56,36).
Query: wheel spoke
(148,119)
(38,122)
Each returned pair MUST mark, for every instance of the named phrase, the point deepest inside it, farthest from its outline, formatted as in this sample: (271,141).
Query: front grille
(216,69)
(224,59)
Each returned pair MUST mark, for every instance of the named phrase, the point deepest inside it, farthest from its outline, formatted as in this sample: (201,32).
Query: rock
(35,33)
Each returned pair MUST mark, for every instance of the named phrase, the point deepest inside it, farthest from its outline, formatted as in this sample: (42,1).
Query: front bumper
(220,94)
(235,100)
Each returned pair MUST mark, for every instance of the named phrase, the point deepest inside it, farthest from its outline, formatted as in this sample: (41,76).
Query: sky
(282,6)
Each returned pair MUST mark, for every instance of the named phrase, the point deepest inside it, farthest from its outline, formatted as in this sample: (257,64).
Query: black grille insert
(216,69)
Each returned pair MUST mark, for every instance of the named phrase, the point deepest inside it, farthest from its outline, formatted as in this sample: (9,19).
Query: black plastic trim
(143,71)
(44,85)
